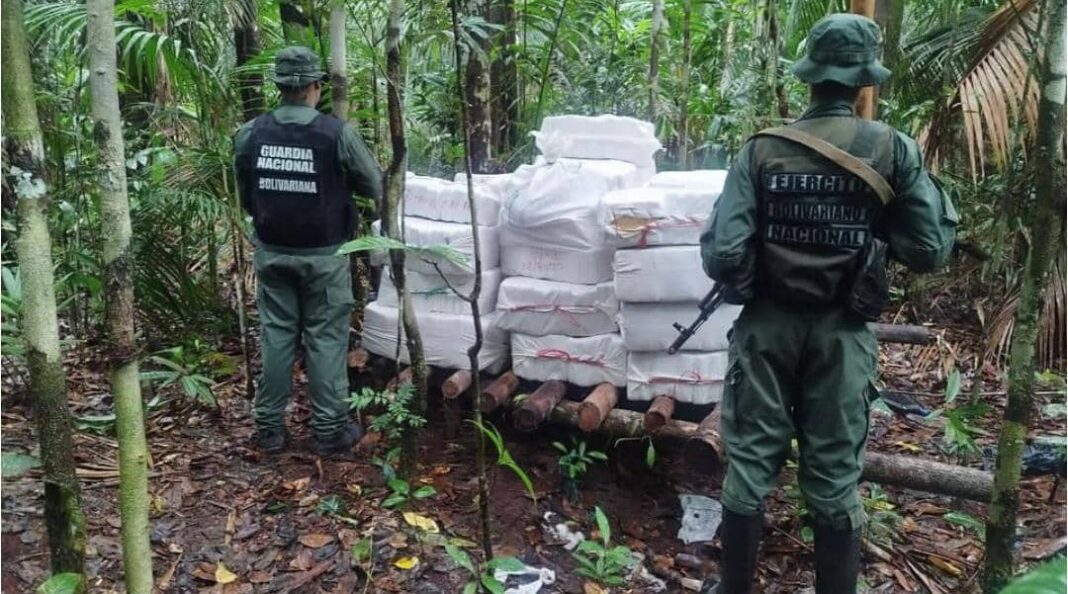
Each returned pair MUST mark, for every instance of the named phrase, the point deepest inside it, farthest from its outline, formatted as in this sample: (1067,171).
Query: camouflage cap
(297,66)
(843,48)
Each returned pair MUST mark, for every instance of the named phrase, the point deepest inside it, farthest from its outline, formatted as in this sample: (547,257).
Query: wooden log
(456,384)
(901,333)
(593,410)
(909,472)
(536,408)
(499,391)
(659,413)
(358,358)
(404,377)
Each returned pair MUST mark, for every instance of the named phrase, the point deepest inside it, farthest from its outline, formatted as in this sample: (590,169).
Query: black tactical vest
(298,193)
(814,218)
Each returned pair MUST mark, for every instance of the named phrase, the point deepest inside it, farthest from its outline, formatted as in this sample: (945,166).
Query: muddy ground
(225,519)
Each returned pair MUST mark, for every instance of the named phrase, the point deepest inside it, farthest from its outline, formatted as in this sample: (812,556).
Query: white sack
(561,205)
(446,338)
(540,307)
(646,216)
(550,263)
(701,179)
(581,361)
(426,233)
(664,274)
(431,294)
(648,326)
(696,378)
(597,137)
(442,200)
(498,184)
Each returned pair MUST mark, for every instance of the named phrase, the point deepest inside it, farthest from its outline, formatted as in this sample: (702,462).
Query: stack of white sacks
(437,214)
(659,280)
(558,300)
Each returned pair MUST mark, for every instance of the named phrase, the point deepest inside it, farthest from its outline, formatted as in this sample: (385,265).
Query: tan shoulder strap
(839,157)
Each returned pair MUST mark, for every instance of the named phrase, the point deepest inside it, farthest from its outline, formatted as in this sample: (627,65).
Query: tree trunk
(865,106)
(339,82)
(40,329)
(504,75)
(296,23)
(727,55)
(1045,227)
(684,88)
(895,17)
(477,94)
(247,44)
(118,281)
(398,165)
(654,60)
(476,287)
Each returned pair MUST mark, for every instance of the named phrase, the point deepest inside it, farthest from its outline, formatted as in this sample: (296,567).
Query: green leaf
(394,500)
(807,534)
(602,524)
(470,588)
(16,464)
(650,455)
(460,557)
(424,492)
(952,386)
(967,521)
(491,584)
(399,486)
(510,564)
(1046,579)
(560,446)
(598,455)
(361,550)
(62,583)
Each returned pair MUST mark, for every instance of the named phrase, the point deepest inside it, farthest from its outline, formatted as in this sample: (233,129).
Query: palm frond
(1051,344)
(996,97)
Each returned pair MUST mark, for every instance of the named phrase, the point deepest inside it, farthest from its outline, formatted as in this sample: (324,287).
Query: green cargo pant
(303,294)
(804,373)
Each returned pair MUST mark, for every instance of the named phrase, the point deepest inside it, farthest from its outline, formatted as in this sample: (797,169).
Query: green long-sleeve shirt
(361,171)
(919,225)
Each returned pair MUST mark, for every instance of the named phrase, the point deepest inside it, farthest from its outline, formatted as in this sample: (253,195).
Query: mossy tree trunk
(339,81)
(119,293)
(654,61)
(1045,227)
(24,153)
(392,223)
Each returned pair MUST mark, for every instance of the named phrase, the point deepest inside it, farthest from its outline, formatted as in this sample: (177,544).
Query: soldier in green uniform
(791,237)
(297,171)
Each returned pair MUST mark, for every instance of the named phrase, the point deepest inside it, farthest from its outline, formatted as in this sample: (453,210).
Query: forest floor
(225,519)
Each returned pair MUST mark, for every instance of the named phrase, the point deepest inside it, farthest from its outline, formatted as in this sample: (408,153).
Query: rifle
(709,304)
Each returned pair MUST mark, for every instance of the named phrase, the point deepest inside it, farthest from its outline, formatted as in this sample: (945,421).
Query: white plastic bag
(550,263)
(648,326)
(647,216)
(539,307)
(695,378)
(597,137)
(705,180)
(446,338)
(443,200)
(581,361)
(662,274)
(431,294)
(426,233)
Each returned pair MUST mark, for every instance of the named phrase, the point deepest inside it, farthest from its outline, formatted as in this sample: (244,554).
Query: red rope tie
(665,223)
(566,356)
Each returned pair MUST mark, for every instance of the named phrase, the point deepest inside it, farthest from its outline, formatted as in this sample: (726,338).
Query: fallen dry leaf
(224,575)
(421,522)
(406,562)
(945,566)
(592,588)
(315,540)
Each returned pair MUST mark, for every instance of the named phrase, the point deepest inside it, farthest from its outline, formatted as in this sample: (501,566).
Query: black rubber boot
(740,539)
(837,560)
(273,441)
(339,443)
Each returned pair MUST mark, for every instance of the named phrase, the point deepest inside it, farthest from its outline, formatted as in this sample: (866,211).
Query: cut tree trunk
(339,81)
(24,150)
(909,472)
(456,384)
(498,392)
(593,410)
(1044,228)
(901,333)
(118,264)
(658,413)
(536,408)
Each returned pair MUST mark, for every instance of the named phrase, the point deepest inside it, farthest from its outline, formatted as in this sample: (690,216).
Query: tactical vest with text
(298,193)
(814,218)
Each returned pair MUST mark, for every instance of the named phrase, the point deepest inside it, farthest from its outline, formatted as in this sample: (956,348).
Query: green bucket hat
(843,48)
(296,66)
